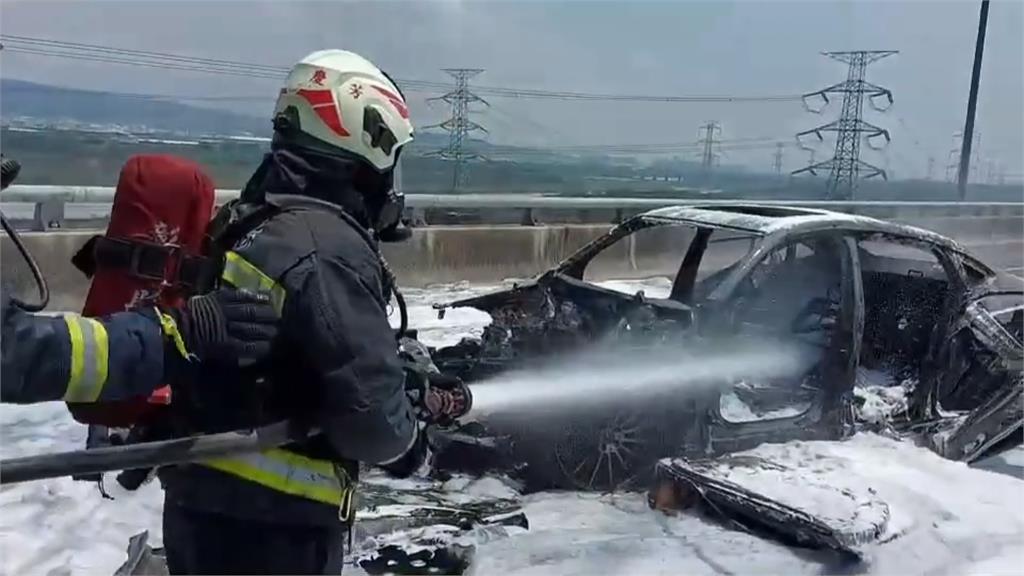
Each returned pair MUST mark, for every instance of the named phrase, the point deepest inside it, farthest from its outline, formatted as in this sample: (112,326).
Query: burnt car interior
(566,309)
(792,295)
(905,291)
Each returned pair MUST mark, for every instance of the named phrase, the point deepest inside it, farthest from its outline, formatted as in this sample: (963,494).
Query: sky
(664,48)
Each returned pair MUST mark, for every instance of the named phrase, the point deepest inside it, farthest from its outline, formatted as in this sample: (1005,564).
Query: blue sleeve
(77,359)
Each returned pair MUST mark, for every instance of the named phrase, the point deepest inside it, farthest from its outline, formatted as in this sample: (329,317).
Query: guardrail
(49,205)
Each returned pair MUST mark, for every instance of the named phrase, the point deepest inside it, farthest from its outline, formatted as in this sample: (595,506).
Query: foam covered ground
(951,519)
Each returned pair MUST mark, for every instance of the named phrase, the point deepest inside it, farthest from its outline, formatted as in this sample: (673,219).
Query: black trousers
(208,543)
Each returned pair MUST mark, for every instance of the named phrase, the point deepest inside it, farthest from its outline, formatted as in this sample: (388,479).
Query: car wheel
(608,454)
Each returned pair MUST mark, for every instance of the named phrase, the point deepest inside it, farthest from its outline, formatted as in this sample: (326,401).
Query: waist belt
(294,474)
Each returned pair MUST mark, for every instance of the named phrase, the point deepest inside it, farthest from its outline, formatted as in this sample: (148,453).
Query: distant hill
(54,104)
(59,107)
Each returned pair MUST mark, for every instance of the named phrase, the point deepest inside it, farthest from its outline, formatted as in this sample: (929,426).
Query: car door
(803,294)
(980,390)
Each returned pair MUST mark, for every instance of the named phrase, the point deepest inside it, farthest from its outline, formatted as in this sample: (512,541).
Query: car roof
(761,219)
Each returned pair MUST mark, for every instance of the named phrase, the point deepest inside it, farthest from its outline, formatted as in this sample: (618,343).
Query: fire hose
(9,170)
(455,401)
(440,406)
(145,454)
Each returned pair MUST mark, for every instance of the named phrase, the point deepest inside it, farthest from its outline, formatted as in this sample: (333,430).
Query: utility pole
(707,134)
(845,167)
(778,157)
(972,102)
(459,125)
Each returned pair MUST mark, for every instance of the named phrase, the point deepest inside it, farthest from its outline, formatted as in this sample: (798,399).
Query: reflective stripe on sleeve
(288,472)
(240,273)
(89,357)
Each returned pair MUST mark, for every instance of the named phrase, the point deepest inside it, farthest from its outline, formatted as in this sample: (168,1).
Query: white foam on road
(946,518)
(952,519)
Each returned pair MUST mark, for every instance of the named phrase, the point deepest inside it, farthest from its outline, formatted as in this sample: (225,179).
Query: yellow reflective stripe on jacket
(90,351)
(240,273)
(290,473)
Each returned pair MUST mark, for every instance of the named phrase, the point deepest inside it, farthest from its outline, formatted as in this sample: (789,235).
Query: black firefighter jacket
(335,368)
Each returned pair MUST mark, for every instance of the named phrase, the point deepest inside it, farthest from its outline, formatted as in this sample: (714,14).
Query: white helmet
(336,100)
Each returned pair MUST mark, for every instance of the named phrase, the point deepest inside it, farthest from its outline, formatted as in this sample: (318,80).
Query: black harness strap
(157,262)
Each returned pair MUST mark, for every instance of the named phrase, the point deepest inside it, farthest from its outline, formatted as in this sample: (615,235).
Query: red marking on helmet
(318,77)
(395,100)
(323,104)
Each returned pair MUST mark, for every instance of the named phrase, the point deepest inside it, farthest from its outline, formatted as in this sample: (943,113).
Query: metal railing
(49,205)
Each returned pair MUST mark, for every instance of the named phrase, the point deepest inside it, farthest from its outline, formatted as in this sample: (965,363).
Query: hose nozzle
(447,400)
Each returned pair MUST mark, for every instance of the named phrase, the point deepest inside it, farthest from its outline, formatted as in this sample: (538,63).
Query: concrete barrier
(441,254)
(433,255)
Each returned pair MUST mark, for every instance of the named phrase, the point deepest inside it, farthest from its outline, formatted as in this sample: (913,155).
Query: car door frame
(830,416)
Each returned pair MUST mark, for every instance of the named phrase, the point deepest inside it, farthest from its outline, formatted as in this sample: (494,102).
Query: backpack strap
(233,221)
(144,260)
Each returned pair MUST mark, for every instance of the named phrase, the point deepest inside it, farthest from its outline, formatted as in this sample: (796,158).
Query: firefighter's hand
(228,326)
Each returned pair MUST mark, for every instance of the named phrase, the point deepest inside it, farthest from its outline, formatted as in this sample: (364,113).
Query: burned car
(862,297)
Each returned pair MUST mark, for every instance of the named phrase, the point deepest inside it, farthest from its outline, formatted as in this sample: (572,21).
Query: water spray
(604,376)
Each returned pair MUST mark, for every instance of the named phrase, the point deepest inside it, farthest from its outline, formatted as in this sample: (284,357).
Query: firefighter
(128,354)
(306,227)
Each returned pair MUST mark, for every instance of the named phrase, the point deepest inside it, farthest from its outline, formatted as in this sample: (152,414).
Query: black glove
(227,325)
(9,169)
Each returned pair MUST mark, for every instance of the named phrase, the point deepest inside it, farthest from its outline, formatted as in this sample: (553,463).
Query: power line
(141,53)
(759,141)
(720,145)
(168,61)
(142,63)
(604,97)
(162,60)
(845,167)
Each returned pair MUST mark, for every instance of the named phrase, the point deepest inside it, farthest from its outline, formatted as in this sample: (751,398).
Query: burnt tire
(607,453)
(602,452)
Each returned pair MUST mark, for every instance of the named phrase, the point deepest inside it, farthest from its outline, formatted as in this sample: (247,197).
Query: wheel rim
(602,456)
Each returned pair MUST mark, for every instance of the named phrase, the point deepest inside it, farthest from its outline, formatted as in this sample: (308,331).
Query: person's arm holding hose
(129,354)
